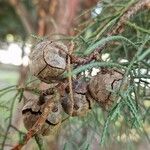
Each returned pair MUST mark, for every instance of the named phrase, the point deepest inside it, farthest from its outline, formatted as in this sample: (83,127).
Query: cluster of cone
(48,63)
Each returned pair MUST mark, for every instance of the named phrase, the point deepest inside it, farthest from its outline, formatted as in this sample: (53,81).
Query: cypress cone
(103,87)
(32,111)
(48,60)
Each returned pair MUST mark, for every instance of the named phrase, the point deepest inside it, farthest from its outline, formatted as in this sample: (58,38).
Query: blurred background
(24,22)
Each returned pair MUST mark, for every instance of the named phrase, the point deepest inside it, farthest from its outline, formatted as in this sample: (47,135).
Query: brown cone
(101,86)
(32,110)
(48,60)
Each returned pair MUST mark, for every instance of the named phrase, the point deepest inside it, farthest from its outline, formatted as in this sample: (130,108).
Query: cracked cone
(32,111)
(103,87)
(48,60)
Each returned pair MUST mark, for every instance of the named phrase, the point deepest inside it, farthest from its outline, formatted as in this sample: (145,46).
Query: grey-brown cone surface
(103,87)
(32,110)
(48,60)
(81,104)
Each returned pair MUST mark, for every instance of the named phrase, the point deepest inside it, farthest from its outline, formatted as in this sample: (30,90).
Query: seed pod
(48,60)
(101,86)
(33,110)
(81,104)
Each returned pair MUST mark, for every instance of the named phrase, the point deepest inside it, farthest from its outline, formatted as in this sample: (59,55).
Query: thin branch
(70,79)
(128,14)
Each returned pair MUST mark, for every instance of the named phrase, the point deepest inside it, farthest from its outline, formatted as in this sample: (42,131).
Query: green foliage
(130,52)
(132,45)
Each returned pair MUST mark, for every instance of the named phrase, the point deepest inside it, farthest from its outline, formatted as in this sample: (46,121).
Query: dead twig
(70,78)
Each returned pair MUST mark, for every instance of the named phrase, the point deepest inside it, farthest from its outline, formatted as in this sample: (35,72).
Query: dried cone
(81,104)
(33,110)
(101,87)
(48,60)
